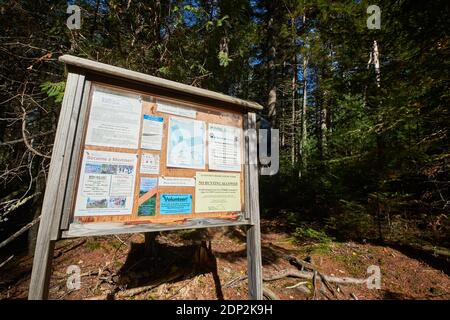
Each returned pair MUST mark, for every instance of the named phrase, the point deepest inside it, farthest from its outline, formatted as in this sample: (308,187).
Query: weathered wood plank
(246,170)
(44,245)
(106,69)
(75,158)
(109,228)
(254,260)
(73,108)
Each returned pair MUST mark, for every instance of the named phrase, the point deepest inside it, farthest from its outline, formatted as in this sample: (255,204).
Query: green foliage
(224,59)
(353,222)
(54,90)
(306,234)
(93,244)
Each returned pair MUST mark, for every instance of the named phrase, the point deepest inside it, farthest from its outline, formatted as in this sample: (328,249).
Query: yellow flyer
(217,192)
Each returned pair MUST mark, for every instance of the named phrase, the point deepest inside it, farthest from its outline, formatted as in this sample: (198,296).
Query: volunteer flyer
(175,203)
(106,184)
(217,192)
(224,147)
(114,120)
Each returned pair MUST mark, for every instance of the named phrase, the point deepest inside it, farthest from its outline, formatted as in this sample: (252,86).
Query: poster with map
(186,143)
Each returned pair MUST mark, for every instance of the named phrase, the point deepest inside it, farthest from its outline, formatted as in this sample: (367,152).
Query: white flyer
(177,110)
(106,185)
(152,132)
(176,182)
(224,147)
(150,163)
(186,143)
(114,119)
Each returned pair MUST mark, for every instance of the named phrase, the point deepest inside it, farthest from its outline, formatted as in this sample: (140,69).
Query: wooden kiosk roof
(172,86)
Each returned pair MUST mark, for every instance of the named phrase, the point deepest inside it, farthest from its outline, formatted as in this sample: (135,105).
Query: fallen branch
(269,294)
(18,233)
(327,284)
(324,292)
(134,291)
(234,281)
(76,245)
(314,284)
(310,275)
(436,251)
(300,264)
(303,289)
(301,283)
(6,261)
(118,238)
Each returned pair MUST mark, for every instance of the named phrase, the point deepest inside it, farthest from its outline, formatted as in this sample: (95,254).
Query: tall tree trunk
(294,124)
(272,99)
(294,94)
(303,115)
(304,130)
(322,117)
(376,63)
(374,59)
(94,24)
(272,89)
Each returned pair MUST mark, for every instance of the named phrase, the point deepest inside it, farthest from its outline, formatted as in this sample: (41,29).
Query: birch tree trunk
(303,115)
(304,130)
(323,124)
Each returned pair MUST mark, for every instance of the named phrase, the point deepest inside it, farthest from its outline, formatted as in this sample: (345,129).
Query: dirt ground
(178,269)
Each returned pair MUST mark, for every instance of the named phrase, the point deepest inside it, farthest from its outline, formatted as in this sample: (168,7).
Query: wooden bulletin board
(207,114)
(75,204)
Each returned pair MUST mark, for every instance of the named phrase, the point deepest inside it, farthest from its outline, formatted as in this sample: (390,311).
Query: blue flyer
(175,203)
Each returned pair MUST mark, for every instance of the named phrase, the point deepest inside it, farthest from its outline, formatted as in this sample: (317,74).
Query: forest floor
(116,265)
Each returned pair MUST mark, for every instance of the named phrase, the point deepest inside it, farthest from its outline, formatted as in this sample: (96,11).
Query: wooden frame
(57,219)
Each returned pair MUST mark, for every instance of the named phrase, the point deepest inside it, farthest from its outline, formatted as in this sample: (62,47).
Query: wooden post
(43,255)
(254,261)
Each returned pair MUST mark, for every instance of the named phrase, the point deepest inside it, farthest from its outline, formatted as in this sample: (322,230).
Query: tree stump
(150,245)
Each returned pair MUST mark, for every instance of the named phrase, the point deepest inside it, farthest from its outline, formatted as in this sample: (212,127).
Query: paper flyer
(152,132)
(174,109)
(106,184)
(175,204)
(224,148)
(149,163)
(176,182)
(186,143)
(217,192)
(114,120)
(147,196)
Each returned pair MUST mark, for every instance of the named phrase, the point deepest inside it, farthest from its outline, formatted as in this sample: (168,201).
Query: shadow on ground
(167,264)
